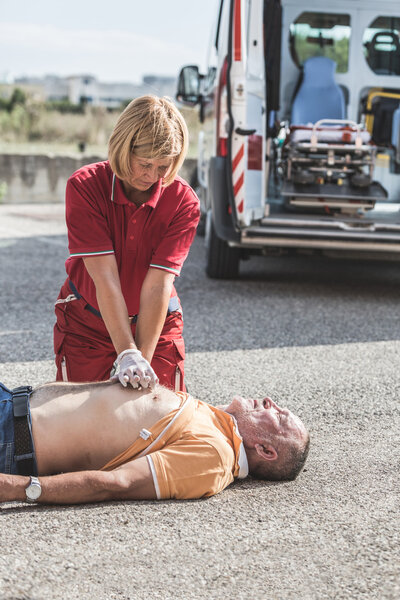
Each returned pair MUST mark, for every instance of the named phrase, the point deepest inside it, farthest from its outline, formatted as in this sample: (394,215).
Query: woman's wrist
(128,351)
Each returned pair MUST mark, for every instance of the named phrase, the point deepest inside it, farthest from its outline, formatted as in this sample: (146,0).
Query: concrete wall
(42,178)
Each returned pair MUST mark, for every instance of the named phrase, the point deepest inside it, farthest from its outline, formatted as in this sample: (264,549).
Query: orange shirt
(195,451)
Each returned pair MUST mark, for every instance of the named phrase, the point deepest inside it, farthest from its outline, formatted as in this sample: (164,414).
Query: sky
(116,41)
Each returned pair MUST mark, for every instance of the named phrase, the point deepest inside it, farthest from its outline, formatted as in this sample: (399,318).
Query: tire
(222,261)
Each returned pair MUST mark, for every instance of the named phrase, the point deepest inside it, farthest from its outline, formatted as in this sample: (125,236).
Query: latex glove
(135,369)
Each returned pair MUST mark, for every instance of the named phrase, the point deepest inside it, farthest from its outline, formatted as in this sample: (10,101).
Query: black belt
(173,305)
(23,441)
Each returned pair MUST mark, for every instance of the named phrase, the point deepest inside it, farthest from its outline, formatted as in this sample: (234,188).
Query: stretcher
(328,167)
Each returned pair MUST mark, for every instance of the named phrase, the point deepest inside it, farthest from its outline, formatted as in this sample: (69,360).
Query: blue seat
(319,96)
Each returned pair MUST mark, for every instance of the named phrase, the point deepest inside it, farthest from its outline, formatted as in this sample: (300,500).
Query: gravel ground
(320,335)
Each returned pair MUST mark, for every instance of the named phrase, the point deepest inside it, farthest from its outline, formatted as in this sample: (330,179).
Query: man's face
(262,421)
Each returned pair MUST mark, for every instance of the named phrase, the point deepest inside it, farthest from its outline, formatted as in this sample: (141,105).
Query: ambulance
(299,143)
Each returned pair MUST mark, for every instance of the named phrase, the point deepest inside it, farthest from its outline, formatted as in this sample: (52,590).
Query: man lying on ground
(98,441)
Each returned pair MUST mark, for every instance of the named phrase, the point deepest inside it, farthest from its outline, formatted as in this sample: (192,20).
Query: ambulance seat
(319,96)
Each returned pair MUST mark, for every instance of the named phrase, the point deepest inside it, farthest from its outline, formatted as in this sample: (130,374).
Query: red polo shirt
(101,220)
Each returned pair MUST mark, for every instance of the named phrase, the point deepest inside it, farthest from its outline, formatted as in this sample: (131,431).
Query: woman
(131,221)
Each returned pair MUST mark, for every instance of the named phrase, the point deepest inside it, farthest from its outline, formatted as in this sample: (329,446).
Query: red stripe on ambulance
(238,157)
(238,186)
(237,31)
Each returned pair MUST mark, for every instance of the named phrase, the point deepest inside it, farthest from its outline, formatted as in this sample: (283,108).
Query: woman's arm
(154,299)
(104,272)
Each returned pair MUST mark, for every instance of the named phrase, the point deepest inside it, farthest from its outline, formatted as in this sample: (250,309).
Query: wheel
(360,180)
(303,177)
(222,261)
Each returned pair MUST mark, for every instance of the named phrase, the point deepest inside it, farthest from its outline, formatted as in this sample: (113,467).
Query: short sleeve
(189,468)
(88,229)
(174,247)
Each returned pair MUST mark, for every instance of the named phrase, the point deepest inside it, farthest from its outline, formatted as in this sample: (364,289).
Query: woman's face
(146,171)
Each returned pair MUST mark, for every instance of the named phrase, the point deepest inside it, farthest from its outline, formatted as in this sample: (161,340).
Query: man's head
(276,440)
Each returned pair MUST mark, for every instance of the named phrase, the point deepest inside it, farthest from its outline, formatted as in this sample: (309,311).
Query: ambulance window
(219,23)
(321,34)
(222,33)
(210,79)
(382,45)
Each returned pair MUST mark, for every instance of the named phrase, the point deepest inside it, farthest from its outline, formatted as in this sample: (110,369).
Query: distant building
(96,93)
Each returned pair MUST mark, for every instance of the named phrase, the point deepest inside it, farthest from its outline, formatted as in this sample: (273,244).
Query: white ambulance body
(299,148)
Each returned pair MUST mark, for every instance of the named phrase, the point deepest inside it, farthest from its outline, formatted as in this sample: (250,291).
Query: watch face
(33,491)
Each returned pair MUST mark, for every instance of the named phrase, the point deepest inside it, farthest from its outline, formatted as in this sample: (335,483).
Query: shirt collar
(241,457)
(118,194)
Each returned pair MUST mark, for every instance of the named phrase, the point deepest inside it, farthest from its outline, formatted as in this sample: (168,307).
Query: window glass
(382,46)
(321,34)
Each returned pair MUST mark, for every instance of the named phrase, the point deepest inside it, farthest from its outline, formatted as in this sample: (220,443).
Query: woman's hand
(135,369)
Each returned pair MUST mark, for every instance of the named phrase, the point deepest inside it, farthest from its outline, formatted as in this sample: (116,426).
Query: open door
(247,110)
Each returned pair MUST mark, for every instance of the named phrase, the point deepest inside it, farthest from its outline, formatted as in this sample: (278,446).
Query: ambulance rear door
(247,111)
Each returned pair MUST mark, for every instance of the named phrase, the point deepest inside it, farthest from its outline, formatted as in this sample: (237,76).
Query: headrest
(319,71)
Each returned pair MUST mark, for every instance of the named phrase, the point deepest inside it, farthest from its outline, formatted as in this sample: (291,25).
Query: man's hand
(135,369)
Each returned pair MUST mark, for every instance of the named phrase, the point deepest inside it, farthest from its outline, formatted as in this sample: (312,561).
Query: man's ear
(267,452)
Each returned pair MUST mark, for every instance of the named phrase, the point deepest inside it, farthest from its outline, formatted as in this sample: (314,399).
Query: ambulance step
(339,236)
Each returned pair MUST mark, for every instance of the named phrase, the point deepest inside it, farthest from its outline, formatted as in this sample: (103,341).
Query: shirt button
(133,220)
(131,237)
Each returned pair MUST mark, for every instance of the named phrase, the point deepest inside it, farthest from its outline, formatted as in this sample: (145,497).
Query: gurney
(328,166)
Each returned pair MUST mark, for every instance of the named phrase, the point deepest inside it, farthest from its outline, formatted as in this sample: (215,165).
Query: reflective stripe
(64,369)
(154,475)
(112,188)
(177,379)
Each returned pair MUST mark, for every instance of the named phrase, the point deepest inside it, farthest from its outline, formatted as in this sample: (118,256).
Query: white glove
(135,369)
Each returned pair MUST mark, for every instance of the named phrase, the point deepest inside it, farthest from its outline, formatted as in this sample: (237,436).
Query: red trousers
(84,351)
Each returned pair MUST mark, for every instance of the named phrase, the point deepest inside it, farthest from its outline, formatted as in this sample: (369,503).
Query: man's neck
(224,408)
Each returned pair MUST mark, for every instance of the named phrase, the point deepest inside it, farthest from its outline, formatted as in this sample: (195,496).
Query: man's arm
(132,481)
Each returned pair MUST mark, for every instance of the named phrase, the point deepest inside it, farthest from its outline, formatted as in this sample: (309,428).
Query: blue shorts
(7,450)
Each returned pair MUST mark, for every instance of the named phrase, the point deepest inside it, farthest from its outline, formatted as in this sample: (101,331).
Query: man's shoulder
(214,428)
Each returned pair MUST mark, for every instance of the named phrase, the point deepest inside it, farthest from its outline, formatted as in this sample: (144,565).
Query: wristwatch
(33,490)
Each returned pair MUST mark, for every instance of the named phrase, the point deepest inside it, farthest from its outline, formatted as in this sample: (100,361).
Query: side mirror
(189,85)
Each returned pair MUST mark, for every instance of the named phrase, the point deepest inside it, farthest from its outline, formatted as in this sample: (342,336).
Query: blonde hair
(149,127)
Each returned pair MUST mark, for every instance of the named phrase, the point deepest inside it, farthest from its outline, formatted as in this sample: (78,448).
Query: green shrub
(65,106)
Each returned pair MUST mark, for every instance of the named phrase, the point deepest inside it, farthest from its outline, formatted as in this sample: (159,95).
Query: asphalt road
(319,335)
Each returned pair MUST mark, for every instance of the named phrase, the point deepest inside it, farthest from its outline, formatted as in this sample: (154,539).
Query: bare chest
(87,434)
